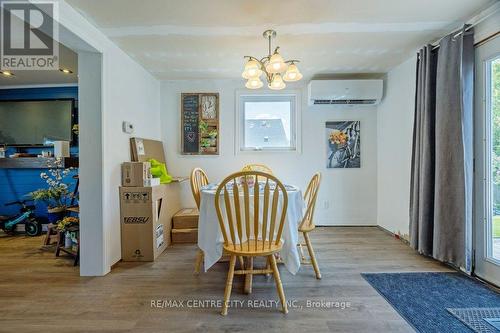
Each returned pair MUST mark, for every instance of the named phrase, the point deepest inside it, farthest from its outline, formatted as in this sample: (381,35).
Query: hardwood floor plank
(40,292)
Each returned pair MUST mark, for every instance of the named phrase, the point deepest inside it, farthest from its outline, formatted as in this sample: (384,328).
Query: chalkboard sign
(200,123)
(190,123)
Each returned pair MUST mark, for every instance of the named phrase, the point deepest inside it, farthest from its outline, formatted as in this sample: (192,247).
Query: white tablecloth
(210,238)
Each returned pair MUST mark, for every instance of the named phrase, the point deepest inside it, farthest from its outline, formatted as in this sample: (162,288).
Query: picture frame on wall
(343,144)
(200,123)
(209,106)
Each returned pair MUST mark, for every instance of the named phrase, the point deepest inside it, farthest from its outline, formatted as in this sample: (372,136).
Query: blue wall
(16,183)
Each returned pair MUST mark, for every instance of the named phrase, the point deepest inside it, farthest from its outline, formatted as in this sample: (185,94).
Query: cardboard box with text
(136,173)
(145,222)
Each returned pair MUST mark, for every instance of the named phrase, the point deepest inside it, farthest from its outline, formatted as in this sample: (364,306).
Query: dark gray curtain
(423,157)
(441,176)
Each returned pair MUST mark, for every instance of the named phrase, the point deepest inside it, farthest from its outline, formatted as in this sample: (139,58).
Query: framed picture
(200,123)
(208,107)
(343,144)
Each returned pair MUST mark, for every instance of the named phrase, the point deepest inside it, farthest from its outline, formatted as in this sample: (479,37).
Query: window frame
(293,96)
(489,196)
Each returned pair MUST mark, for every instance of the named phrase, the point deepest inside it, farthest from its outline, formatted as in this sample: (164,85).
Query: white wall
(394,142)
(90,171)
(129,93)
(351,193)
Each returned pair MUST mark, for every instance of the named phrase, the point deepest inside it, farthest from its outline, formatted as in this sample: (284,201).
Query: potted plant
(68,221)
(56,196)
(208,140)
(212,134)
(203,127)
(64,226)
(205,142)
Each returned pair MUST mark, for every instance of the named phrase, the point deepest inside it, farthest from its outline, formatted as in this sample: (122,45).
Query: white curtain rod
(461,30)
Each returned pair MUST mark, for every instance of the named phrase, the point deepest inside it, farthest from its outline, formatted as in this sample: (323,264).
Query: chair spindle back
(198,179)
(310,199)
(248,223)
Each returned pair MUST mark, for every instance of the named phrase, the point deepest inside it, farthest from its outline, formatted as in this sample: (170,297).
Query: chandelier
(275,69)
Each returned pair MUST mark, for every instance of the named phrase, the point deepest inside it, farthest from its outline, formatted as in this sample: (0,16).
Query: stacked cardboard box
(185,226)
(147,207)
(146,213)
(138,174)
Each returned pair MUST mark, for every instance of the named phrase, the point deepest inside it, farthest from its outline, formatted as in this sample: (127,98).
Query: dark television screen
(35,122)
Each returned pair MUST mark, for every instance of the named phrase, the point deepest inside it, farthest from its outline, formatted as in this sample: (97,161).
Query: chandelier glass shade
(254,83)
(292,74)
(252,70)
(275,69)
(276,64)
(277,83)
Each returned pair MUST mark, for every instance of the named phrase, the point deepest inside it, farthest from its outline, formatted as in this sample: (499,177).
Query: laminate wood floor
(41,293)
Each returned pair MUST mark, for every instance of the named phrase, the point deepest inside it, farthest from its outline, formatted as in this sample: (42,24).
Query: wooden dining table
(210,239)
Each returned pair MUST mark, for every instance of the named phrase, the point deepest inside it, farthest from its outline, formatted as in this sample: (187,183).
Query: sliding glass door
(487,147)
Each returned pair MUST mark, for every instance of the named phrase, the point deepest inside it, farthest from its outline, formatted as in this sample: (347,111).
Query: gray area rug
(481,320)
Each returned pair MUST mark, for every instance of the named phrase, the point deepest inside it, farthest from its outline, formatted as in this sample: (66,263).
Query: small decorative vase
(67,240)
(74,245)
(74,241)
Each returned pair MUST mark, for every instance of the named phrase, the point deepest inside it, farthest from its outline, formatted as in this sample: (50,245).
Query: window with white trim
(267,122)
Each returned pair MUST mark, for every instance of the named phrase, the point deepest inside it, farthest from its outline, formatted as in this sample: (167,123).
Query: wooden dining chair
(307,224)
(198,179)
(258,167)
(245,230)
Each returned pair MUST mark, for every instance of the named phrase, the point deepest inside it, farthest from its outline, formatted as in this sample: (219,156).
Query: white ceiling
(193,39)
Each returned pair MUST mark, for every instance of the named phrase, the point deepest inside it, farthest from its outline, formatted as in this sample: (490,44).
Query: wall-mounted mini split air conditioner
(345,92)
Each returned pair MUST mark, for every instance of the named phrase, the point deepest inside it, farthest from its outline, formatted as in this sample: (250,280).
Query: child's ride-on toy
(26,215)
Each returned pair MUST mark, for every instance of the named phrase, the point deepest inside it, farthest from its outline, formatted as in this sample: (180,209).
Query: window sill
(267,151)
